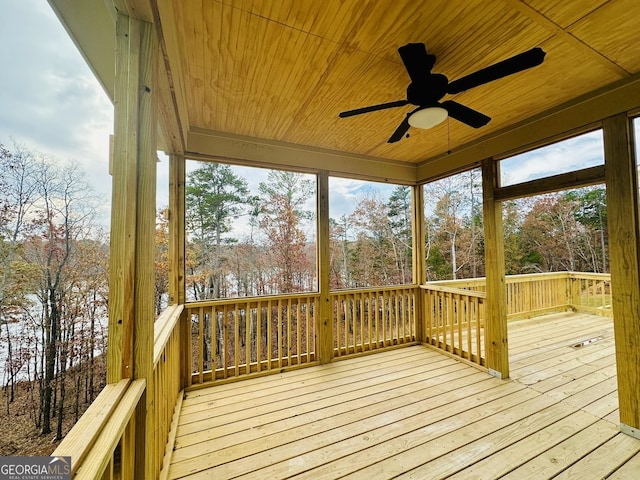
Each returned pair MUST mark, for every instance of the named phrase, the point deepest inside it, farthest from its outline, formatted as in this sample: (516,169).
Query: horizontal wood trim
(163,327)
(603,312)
(555,183)
(79,441)
(383,288)
(252,301)
(241,150)
(621,96)
(540,311)
(102,451)
(453,290)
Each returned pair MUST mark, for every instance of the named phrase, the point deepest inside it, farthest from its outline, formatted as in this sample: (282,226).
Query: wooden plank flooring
(416,413)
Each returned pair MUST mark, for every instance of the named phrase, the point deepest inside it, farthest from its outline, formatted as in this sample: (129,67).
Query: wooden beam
(624,252)
(123,207)
(577,115)
(555,183)
(418,252)
(228,148)
(418,234)
(145,224)
(177,245)
(172,135)
(132,275)
(175,113)
(495,333)
(324,318)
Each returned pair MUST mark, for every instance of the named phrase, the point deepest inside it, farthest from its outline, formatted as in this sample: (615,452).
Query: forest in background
(242,240)
(53,291)
(244,245)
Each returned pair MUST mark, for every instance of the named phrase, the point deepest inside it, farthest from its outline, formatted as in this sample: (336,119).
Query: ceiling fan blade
(464,114)
(416,60)
(512,65)
(402,129)
(373,108)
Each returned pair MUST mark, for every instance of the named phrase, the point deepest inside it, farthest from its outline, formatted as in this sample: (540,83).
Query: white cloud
(572,154)
(50,101)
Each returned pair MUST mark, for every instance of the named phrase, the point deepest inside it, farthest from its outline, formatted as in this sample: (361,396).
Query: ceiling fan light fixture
(429,117)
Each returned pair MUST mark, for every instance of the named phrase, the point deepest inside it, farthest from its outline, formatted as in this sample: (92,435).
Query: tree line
(562,231)
(240,242)
(274,251)
(53,286)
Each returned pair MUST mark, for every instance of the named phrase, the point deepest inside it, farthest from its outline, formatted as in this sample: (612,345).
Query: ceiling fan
(427,88)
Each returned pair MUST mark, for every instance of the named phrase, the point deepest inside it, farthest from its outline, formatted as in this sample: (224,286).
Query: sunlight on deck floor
(416,413)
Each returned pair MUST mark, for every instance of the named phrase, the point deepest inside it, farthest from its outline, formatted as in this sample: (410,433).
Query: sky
(50,101)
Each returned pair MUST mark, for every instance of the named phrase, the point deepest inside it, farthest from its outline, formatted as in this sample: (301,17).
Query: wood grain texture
(624,250)
(283,70)
(323,320)
(496,343)
(415,413)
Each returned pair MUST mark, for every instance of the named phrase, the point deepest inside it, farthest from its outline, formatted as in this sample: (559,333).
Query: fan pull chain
(448,138)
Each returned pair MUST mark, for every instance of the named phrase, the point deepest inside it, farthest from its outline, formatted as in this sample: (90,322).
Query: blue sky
(50,101)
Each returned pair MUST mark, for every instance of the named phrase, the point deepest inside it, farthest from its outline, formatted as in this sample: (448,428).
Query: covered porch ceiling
(262,81)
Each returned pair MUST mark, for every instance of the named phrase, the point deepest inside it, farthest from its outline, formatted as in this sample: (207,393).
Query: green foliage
(215,196)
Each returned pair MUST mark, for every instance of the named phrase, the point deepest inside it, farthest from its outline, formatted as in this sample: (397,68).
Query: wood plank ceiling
(282,70)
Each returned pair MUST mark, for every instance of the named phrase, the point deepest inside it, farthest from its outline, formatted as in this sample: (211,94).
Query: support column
(324,318)
(418,254)
(177,255)
(177,217)
(132,280)
(624,252)
(495,333)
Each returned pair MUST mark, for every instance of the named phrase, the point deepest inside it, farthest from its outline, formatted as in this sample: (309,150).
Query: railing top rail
(383,288)
(235,300)
(524,277)
(459,291)
(80,441)
(107,439)
(590,275)
(163,327)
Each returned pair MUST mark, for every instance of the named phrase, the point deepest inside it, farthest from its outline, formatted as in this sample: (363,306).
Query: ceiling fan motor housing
(426,92)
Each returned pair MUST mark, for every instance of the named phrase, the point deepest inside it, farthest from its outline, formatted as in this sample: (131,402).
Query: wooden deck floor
(416,413)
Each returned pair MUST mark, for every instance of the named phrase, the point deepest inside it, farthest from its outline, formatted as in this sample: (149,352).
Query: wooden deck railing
(167,379)
(101,444)
(591,293)
(454,321)
(538,293)
(454,309)
(373,318)
(206,341)
(245,336)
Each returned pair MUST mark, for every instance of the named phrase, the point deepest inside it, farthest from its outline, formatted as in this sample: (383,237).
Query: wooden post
(177,291)
(496,344)
(624,252)
(324,318)
(177,246)
(418,254)
(132,280)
